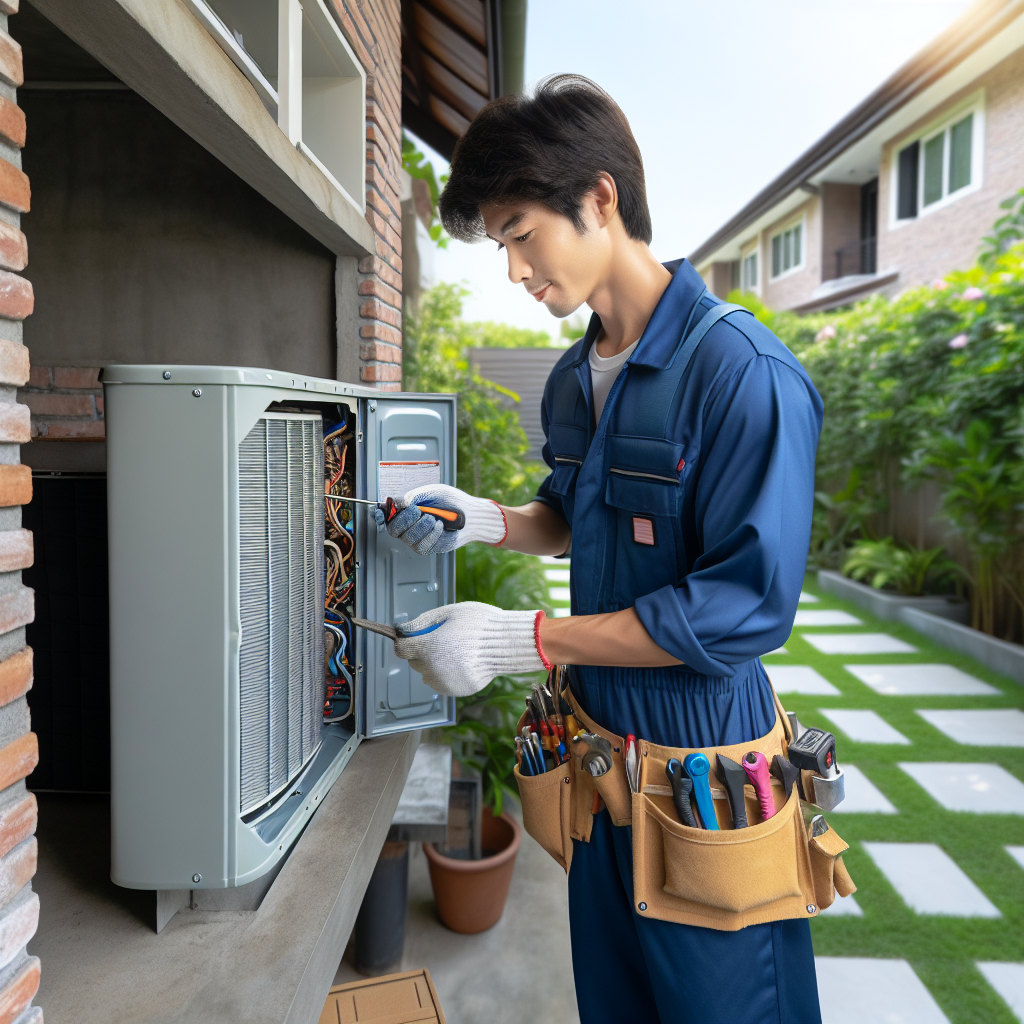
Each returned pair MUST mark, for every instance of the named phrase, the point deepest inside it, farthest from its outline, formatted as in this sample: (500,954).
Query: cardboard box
(394,999)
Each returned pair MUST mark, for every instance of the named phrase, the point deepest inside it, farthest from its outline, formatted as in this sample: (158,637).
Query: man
(682,476)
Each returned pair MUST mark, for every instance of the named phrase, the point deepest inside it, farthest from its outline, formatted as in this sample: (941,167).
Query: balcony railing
(858,258)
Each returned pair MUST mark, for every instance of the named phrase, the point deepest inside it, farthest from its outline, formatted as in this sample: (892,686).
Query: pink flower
(972,294)
(940,285)
(828,331)
(960,341)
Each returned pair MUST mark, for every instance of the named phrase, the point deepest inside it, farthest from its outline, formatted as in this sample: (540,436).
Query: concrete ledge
(886,605)
(998,655)
(274,965)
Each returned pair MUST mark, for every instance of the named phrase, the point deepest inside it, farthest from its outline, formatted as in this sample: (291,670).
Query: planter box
(998,655)
(884,604)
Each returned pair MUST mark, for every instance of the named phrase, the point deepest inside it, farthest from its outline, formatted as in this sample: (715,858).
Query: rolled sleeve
(753,504)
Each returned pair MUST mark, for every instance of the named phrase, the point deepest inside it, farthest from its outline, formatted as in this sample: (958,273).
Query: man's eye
(523,238)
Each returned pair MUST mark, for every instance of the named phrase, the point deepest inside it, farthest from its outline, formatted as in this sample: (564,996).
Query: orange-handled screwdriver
(453,520)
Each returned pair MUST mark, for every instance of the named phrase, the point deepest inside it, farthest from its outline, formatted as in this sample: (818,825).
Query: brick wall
(793,288)
(373,29)
(66,403)
(19,752)
(948,238)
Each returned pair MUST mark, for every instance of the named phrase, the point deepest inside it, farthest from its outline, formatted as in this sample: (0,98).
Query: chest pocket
(568,449)
(644,490)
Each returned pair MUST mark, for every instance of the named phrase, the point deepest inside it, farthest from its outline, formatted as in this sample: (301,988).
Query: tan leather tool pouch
(828,870)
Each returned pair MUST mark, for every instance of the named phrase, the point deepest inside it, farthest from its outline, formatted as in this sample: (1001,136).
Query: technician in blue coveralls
(688,508)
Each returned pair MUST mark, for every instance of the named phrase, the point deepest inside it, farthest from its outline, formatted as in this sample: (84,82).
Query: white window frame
(284,103)
(797,267)
(974,104)
(746,251)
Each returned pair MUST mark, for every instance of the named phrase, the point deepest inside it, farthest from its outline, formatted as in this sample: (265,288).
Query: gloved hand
(426,535)
(460,648)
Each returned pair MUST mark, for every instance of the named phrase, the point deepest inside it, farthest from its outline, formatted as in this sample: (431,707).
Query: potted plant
(471,894)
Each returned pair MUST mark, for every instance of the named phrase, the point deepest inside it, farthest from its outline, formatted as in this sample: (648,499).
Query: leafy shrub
(900,567)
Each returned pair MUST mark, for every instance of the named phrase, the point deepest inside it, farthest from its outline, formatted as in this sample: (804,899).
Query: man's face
(547,255)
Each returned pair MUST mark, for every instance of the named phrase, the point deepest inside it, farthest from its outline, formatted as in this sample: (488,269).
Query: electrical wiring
(340,550)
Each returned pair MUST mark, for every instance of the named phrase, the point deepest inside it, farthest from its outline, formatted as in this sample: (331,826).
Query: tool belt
(771,870)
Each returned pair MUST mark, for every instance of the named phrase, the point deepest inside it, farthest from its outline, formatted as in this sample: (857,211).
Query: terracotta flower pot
(471,894)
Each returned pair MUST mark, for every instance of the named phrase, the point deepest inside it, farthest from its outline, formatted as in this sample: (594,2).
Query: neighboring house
(902,190)
(210,182)
(523,371)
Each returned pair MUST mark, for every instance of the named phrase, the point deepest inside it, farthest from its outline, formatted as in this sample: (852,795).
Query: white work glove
(460,648)
(426,535)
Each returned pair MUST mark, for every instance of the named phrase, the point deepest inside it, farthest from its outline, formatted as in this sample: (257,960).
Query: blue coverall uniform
(725,494)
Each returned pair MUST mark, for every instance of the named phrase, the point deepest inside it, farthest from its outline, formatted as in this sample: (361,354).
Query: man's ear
(604,199)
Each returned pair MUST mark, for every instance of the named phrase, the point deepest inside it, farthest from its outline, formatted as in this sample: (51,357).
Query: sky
(721,95)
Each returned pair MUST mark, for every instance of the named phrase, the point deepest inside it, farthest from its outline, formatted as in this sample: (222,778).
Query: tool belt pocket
(612,787)
(828,871)
(547,809)
(725,879)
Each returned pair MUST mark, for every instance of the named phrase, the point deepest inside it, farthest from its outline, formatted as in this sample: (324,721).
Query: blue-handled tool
(697,766)
(682,789)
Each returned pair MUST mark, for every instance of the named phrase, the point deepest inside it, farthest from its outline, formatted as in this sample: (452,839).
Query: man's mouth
(539,296)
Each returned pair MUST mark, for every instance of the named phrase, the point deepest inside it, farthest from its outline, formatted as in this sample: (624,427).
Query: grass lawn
(942,950)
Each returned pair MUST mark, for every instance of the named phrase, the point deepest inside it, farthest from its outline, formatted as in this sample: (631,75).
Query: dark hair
(550,148)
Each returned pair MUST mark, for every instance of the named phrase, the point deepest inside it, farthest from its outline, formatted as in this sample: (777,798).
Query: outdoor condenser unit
(239,689)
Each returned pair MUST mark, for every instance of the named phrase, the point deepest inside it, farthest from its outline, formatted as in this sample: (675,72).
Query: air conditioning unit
(239,687)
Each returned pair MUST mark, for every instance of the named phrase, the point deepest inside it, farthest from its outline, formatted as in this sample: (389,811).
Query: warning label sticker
(395,478)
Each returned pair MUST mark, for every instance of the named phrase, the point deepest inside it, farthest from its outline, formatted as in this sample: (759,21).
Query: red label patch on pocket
(643,531)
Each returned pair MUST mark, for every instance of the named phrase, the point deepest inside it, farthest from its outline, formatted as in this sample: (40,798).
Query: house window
(787,250)
(934,168)
(750,271)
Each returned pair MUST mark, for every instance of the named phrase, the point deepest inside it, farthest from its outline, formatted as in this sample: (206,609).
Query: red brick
(376,351)
(16,297)
(380,290)
(16,552)
(15,423)
(18,923)
(15,191)
(382,332)
(14,367)
(15,489)
(374,309)
(12,120)
(388,274)
(16,674)
(88,430)
(17,822)
(49,403)
(378,371)
(40,375)
(99,406)
(18,759)
(13,248)
(19,991)
(16,871)
(11,70)
(76,377)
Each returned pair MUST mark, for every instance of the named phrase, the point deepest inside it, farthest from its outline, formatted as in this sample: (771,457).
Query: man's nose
(518,269)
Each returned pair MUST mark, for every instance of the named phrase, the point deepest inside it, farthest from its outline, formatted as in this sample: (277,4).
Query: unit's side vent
(281,591)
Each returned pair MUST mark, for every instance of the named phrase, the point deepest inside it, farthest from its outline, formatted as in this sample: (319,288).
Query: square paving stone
(920,681)
(806,598)
(862,795)
(843,906)
(800,679)
(1017,853)
(559,593)
(1008,980)
(865,726)
(778,650)
(826,618)
(999,727)
(857,643)
(562,613)
(976,787)
(929,881)
(862,990)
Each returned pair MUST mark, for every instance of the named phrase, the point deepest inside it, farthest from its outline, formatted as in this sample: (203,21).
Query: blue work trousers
(631,968)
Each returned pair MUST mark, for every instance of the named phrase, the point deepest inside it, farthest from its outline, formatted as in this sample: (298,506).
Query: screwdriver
(453,520)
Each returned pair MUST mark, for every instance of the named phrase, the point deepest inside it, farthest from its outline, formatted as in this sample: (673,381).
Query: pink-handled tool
(756,766)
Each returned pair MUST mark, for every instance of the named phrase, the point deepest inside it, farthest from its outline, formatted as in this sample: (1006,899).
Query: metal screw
(566,779)
(811,908)
(372,405)
(197,392)
(643,906)
(167,374)
(197,878)
(359,436)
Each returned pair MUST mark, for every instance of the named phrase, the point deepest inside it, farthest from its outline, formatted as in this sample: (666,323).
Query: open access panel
(239,687)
